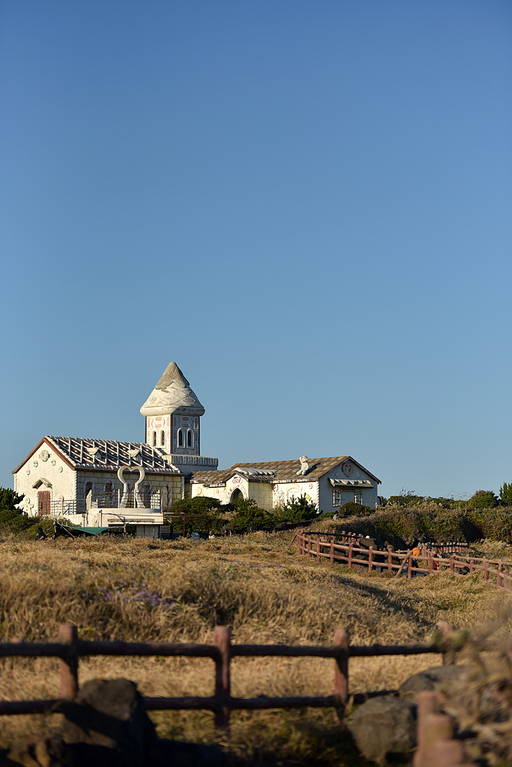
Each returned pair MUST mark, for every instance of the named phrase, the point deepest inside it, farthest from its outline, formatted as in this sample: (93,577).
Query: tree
(506,493)
(483,499)
(9,498)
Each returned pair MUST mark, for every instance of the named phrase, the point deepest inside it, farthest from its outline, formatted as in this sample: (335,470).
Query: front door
(43,503)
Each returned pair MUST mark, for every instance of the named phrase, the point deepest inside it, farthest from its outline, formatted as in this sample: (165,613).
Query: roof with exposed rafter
(106,454)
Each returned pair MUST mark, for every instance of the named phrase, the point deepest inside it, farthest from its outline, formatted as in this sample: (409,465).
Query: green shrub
(201,504)
(248,517)
(353,509)
(14,521)
(483,499)
(9,498)
(297,510)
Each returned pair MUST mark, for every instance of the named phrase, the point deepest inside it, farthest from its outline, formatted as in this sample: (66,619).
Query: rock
(110,714)
(384,726)
(38,752)
(107,726)
(434,678)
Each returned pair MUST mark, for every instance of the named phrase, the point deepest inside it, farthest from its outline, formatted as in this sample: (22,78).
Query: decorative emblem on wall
(61,469)
(53,462)
(36,463)
(44,455)
(347,469)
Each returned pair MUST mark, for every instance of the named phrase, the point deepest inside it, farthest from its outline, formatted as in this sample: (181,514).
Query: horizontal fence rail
(69,648)
(427,562)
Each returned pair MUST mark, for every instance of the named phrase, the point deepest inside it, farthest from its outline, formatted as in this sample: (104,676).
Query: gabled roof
(106,454)
(172,394)
(276,471)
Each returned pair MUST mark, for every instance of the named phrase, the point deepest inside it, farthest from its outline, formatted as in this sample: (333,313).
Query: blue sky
(306,205)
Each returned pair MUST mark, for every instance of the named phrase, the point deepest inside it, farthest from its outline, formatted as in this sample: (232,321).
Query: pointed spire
(172,394)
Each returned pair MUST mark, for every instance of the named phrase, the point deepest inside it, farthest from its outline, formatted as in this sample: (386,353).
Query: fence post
(349,562)
(499,575)
(451,563)
(69,662)
(486,570)
(309,545)
(332,550)
(409,567)
(222,640)
(341,640)
(370,559)
(318,547)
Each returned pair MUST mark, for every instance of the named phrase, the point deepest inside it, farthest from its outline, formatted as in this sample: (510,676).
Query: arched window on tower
(162,438)
(190,438)
(181,441)
(154,439)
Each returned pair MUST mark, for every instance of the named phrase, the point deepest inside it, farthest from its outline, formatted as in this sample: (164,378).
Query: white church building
(108,484)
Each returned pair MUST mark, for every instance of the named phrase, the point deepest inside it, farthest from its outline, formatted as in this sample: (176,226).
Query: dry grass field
(178,591)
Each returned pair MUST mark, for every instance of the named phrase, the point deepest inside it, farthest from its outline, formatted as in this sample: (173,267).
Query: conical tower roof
(172,394)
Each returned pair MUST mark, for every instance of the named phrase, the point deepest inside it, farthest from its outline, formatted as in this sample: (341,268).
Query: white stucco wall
(368,494)
(44,464)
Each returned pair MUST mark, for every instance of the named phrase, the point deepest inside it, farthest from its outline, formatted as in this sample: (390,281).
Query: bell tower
(173,414)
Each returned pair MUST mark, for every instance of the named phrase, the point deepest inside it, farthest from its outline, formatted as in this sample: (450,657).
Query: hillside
(136,589)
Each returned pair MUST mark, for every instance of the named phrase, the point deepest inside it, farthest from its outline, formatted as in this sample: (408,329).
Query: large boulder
(435,678)
(110,714)
(385,726)
(106,725)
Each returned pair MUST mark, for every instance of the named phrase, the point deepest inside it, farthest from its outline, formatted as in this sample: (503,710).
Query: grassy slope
(135,589)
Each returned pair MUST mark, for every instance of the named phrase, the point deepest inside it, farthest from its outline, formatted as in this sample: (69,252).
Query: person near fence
(416,551)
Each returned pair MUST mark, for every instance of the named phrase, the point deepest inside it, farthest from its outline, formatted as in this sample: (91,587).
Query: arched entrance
(236,495)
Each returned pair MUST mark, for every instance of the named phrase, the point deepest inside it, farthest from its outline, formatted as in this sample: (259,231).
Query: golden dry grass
(178,591)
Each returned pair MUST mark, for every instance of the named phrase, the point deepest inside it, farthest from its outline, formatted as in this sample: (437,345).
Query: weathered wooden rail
(69,648)
(498,573)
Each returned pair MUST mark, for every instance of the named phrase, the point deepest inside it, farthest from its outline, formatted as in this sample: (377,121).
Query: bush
(353,509)
(15,522)
(297,510)
(201,504)
(9,498)
(249,517)
(483,499)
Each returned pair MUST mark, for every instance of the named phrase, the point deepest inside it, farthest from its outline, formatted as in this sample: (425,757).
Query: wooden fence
(428,562)
(69,648)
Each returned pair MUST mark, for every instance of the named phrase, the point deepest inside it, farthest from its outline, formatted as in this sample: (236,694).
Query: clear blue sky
(306,205)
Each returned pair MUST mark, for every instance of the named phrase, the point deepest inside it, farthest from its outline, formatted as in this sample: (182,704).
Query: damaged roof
(106,454)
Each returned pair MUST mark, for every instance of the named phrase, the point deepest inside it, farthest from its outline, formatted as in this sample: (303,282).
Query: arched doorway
(236,495)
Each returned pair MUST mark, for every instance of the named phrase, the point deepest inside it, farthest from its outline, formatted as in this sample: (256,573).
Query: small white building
(328,482)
